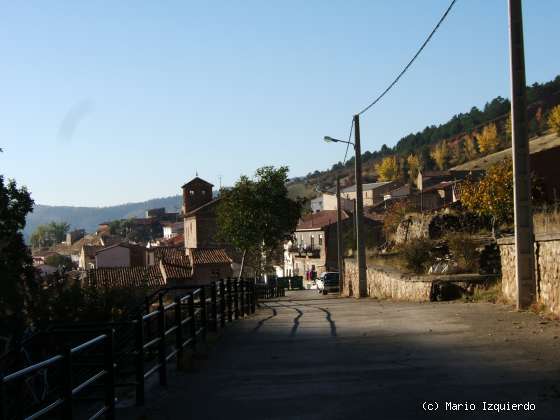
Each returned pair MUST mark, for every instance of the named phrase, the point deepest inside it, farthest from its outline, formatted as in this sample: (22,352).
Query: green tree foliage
(59,261)
(49,234)
(134,232)
(388,169)
(63,302)
(16,264)
(257,215)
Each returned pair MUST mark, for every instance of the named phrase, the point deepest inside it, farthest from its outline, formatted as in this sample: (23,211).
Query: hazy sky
(106,102)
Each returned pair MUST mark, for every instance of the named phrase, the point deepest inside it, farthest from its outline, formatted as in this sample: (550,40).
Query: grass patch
(487,293)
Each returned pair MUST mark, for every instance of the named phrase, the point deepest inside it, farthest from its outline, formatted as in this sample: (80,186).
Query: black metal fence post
(66,385)
(229,301)
(242,297)
(203,312)
(179,332)
(192,322)
(222,304)
(3,408)
(139,344)
(20,385)
(236,298)
(110,375)
(214,299)
(253,297)
(162,357)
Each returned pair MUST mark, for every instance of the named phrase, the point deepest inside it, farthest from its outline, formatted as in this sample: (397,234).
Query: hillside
(541,97)
(89,217)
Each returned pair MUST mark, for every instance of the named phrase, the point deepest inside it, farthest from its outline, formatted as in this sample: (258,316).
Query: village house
(373,193)
(327,201)
(172,229)
(87,256)
(314,248)
(120,255)
(438,189)
(75,235)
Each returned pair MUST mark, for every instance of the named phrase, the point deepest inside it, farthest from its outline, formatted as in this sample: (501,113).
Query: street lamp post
(360,246)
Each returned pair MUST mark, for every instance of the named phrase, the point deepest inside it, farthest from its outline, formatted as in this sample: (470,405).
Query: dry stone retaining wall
(383,283)
(547,270)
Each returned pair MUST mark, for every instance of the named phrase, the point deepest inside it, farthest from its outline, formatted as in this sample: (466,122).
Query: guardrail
(174,320)
(69,390)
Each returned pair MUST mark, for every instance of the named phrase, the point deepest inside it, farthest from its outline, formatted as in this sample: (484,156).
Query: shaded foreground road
(312,357)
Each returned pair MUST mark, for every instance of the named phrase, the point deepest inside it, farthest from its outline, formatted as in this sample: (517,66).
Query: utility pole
(361,251)
(339,237)
(523,215)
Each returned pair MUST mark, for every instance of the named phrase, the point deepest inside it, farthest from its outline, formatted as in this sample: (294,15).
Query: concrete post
(524,248)
(360,248)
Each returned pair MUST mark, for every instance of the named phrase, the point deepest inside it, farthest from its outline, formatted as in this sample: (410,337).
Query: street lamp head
(329,139)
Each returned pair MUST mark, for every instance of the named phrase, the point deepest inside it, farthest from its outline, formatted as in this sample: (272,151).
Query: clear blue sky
(108,102)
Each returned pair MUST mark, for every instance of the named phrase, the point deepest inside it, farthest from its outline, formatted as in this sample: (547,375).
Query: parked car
(328,282)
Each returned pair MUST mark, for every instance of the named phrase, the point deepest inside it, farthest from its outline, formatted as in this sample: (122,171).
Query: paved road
(312,357)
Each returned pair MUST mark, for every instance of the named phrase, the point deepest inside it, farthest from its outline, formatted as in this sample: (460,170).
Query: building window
(191,192)
(320,240)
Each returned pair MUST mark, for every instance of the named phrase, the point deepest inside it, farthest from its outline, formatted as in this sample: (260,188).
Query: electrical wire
(410,62)
(349,140)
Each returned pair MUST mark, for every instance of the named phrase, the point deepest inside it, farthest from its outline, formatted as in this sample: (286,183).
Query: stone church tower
(196,193)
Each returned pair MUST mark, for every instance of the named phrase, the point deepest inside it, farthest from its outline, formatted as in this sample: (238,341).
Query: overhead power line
(410,62)
(347,144)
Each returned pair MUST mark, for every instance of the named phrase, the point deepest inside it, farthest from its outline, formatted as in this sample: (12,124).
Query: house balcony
(308,252)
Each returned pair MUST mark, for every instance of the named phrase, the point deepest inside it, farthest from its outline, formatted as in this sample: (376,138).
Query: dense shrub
(464,248)
(417,254)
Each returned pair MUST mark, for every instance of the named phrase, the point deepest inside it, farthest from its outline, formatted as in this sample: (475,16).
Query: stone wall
(547,270)
(384,283)
(413,226)
(389,283)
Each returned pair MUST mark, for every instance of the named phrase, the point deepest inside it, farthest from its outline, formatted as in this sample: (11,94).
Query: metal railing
(64,402)
(174,320)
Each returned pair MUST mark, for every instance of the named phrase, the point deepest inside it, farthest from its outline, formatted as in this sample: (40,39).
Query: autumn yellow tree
(388,169)
(492,196)
(554,119)
(488,140)
(440,155)
(470,147)
(414,166)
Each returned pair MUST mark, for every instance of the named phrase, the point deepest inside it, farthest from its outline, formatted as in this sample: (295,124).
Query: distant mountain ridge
(89,217)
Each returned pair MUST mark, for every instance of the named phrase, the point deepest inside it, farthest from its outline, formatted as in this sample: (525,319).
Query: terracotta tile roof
(196,180)
(124,277)
(439,186)
(366,187)
(209,256)
(91,250)
(110,239)
(176,241)
(173,271)
(319,220)
(128,245)
(171,255)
